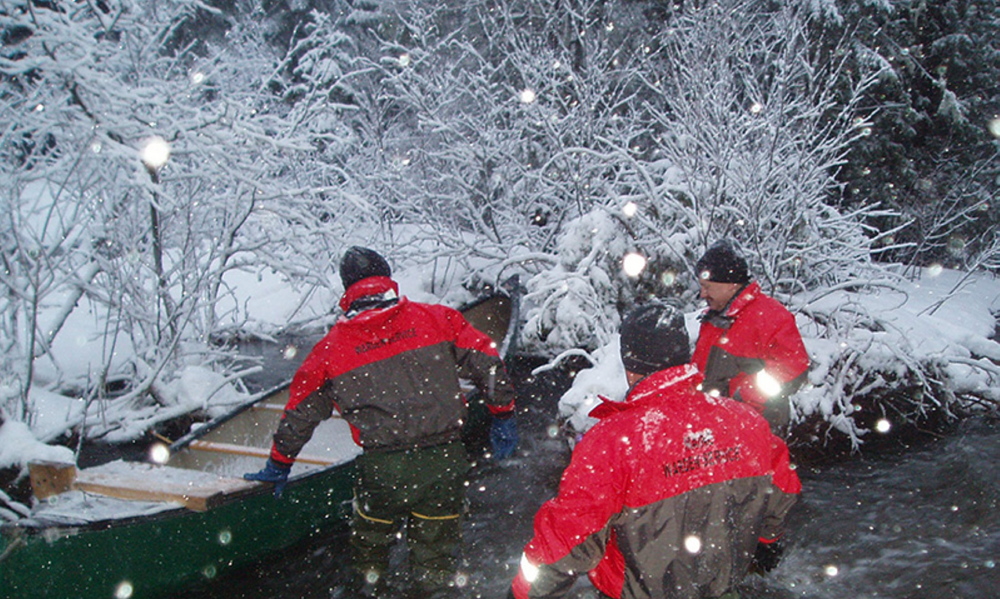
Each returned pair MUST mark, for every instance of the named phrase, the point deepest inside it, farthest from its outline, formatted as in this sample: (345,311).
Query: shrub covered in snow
(887,355)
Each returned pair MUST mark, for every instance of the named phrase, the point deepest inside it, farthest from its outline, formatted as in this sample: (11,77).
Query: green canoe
(127,530)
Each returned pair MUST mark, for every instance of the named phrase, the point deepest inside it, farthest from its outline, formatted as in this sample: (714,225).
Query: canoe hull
(143,558)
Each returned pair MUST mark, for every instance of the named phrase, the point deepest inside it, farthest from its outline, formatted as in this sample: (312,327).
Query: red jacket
(393,374)
(666,496)
(761,335)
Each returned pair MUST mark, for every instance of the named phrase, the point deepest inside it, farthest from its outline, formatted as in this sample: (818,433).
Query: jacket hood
(649,388)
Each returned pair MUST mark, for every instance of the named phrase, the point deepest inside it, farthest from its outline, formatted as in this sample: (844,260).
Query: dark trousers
(421,490)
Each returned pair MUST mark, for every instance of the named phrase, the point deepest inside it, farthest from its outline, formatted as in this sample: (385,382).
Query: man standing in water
(671,494)
(391,368)
(748,347)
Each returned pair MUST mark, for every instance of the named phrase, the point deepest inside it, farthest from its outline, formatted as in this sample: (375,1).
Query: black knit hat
(360,263)
(722,263)
(654,337)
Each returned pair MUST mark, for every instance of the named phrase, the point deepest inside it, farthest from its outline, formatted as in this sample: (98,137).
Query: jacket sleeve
(571,530)
(785,360)
(308,405)
(479,362)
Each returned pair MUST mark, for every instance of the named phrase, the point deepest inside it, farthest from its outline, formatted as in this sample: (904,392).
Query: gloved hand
(503,437)
(766,557)
(273,472)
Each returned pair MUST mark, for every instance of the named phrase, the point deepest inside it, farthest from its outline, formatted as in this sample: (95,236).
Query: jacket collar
(742,298)
(677,378)
(372,286)
(723,319)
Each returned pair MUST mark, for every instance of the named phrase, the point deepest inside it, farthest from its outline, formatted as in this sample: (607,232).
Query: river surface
(919,523)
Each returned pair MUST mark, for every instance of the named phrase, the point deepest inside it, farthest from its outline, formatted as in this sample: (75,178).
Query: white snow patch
(19,447)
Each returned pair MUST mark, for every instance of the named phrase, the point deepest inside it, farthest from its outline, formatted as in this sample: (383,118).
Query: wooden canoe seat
(195,490)
(280,408)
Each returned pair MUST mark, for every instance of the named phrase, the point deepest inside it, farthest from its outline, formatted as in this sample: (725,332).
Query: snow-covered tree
(932,156)
(753,113)
(241,182)
(755,124)
(744,127)
(507,129)
(473,139)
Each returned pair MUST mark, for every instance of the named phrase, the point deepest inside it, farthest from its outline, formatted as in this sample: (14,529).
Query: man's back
(698,471)
(393,373)
(673,487)
(666,496)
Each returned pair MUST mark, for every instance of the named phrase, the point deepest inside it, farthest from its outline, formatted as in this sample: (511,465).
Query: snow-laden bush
(508,139)
(898,352)
(148,249)
(887,355)
(575,303)
(745,139)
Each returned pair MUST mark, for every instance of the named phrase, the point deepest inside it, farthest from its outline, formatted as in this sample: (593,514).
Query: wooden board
(194,490)
(254,452)
(50,478)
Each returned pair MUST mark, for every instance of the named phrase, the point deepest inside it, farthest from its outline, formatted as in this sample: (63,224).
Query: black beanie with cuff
(722,263)
(360,263)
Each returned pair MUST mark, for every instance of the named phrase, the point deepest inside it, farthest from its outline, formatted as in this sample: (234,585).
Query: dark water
(919,524)
(924,523)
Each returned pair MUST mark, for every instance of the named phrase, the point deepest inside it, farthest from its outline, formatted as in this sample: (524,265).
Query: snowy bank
(942,323)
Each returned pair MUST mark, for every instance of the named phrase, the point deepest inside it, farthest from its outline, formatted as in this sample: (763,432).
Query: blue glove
(503,437)
(273,472)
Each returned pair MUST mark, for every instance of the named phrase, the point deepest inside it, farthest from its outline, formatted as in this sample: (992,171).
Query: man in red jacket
(391,368)
(671,493)
(749,347)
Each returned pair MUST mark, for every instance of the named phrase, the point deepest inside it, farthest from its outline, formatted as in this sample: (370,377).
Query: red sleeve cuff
(278,457)
(501,412)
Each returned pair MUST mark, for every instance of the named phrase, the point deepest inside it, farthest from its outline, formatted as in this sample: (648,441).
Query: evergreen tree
(931,155)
